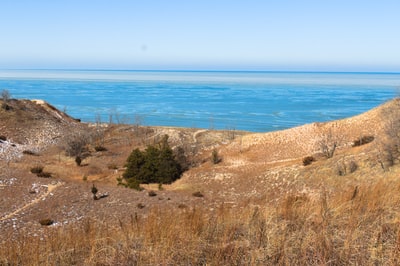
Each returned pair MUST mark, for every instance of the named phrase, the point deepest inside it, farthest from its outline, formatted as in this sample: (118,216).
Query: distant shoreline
(249,101)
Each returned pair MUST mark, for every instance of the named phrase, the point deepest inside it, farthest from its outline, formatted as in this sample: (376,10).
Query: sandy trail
(50,188)
(197,133)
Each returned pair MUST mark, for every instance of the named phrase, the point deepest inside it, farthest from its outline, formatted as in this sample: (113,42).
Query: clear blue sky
(336,35)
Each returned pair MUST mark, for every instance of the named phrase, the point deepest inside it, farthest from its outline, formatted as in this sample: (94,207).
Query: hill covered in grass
(318,194)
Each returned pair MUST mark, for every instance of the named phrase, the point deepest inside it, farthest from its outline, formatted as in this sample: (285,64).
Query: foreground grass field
(356,227)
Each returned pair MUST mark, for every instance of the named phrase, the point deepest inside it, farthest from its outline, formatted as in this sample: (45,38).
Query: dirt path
(197,133)
(50,188)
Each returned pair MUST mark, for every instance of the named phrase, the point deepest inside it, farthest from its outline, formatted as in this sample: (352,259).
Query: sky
(270,35)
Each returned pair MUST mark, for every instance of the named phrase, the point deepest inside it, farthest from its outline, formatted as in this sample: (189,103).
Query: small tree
(78,160)
(75,143)
(5,95)
(94,192)
(215,159)
(329,142)
(157,164)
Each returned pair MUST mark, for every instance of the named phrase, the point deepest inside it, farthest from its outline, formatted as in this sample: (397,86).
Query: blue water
(253,101)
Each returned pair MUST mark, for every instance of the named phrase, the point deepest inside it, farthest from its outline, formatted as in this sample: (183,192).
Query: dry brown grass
(260,205)
(358,226)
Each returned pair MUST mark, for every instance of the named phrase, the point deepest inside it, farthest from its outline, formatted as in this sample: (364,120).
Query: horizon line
(199,70)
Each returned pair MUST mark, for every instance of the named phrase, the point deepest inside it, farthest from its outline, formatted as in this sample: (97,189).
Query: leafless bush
(389,146)
(5,95)
(76,143)
(344,167)
(363,140)
(353,166)
(329,142)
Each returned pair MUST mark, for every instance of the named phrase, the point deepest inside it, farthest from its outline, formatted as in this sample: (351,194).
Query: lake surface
(253,101)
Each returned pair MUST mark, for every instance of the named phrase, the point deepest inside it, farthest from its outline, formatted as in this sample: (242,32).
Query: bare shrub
(215,158)
(37,169)
(46,222)
(308,160)
(363,140)
(152,193)
(29,152)
(100,148)
(5,95)
(329,142)
(76,143)
(389,145)
(197,194)
(78,160)
(353,166)
(44,175)
(345,167)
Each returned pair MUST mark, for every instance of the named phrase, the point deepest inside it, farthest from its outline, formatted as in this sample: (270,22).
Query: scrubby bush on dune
(363,140)
(156,164)
(37,169)
(308,160)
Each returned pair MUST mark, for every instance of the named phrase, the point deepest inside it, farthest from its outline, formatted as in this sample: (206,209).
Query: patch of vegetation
(78,160)
(152,193)
(94,192)
(112,166)
(363,140)
(76,143)
(29,152)
(5,96)
(156,164)
(3,138)
(100,148)
(215,158)
(46,222)
(343,168)
(308,160)
(197,194)
(37,169)
(44,174)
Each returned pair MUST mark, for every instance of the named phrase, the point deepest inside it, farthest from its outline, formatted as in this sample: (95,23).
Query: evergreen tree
(156,164)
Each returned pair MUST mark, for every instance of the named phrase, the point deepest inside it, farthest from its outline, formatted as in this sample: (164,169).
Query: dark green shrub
(308,160)
(94,192)
(156,164)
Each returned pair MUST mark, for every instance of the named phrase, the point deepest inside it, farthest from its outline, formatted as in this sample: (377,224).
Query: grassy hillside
(262,204)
